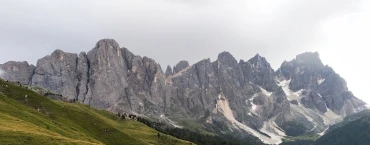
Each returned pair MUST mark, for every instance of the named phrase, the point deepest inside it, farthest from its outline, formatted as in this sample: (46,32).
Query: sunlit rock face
(249,97)
(57,72)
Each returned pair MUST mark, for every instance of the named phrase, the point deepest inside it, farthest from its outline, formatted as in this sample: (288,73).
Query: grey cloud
(167,30)
(173,30)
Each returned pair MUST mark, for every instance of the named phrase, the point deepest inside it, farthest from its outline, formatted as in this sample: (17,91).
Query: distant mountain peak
(259,61)
(180,66)
(107,43)
(309,58)
(225,54)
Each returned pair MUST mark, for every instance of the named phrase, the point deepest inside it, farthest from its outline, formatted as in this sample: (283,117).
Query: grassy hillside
(29,118)
(353,133)
(349,118)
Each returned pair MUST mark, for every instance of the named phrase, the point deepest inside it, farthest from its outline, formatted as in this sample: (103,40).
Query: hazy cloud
(172,30)
(167,30)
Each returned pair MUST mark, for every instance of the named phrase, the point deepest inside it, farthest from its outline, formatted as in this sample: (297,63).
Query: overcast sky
(173,30)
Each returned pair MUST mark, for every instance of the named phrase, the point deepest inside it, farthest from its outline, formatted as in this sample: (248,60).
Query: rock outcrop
(168,71)
(20,72)
(180,66)
(107,75)
(325,88)
(57,72)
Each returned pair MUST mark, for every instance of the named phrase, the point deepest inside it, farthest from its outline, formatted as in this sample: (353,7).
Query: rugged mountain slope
(249,97)
(29,118)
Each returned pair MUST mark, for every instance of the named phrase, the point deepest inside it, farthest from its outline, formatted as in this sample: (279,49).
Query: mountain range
(224,96)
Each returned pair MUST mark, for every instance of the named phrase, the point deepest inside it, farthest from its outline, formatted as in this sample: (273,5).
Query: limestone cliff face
(243,96)
(107,75)
(17,71)
(57,72)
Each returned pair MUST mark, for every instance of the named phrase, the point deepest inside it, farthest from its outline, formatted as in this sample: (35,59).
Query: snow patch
(319,82)
(254,106)
(322,133)
(223,107)
(291,95)
(321,97)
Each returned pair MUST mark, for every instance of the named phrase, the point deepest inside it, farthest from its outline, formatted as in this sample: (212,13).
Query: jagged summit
(168,71)
(259,61)
(225,55)
(246,97)
(180,66)
(107,43)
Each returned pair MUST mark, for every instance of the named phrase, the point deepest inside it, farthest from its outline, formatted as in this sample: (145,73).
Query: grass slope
(353,133)
(29,118)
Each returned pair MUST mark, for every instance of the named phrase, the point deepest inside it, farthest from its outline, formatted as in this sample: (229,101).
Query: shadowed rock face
(83,66)
(113,78)
(180,66)
(168,71)
(258,71)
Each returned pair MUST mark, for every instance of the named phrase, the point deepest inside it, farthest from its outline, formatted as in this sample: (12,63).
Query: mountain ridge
(254,98)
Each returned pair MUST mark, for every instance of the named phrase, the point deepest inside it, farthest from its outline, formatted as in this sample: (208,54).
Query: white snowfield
(289,93)
(320,81)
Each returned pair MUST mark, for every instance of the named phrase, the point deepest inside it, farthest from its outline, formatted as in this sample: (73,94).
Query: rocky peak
(168,71)
(180,66)
(311,58)
(17,71)
(259,61)
(226,57)
(259,72)
(57,72)
(107,68)
(324,87)
(108,44)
